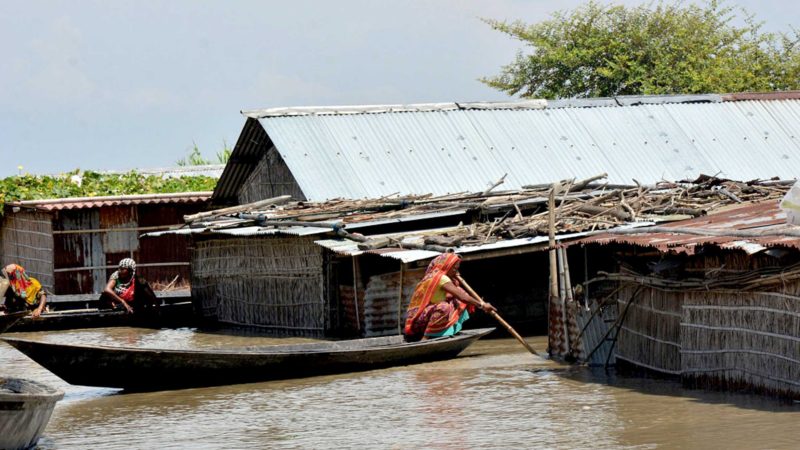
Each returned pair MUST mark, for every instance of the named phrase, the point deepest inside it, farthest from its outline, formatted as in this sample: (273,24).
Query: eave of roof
(116,200)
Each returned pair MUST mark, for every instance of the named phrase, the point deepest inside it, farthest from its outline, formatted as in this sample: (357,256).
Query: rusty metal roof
(761,217)
(117,200)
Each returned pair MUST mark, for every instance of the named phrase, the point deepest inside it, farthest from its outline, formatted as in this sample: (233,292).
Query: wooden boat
(171,315)
(139,369)
(8,320)
(25,409)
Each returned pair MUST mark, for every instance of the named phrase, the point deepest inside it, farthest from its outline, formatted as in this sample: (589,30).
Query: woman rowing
(439,307)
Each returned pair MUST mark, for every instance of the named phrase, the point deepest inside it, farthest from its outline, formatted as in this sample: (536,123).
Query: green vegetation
(195,158)
(91,184)
(657,48)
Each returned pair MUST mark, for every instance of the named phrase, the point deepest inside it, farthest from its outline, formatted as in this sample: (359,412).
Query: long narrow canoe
(171,315)
(139,369)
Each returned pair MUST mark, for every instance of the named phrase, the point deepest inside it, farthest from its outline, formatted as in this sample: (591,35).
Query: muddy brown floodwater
(495,395)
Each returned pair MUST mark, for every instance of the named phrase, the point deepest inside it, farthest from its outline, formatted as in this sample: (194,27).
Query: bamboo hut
(714,300)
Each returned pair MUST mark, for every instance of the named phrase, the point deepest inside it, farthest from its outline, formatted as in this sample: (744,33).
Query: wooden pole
(497,317)
(236,209)
(552,298)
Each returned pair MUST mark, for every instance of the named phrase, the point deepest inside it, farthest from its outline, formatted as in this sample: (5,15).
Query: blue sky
(117,85)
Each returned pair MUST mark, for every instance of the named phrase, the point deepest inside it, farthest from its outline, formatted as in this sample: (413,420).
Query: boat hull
(158,369)
(167,316)
(9,320)
(25,409)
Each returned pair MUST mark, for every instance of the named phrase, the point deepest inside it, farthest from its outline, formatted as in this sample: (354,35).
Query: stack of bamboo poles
(580,205)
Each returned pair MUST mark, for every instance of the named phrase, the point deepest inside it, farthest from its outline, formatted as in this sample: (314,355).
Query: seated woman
(23,292)
(127,290)
(439,306)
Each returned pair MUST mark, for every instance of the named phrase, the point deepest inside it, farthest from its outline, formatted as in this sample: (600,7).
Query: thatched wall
(649,334)
(273,283)
(737,339)
(718,337)
(26,238)
(270,178)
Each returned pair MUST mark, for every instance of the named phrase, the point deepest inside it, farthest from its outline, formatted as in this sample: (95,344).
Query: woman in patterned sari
(24,292)
(439,307)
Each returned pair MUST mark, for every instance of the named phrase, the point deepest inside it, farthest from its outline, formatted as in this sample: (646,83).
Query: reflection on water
(495,395)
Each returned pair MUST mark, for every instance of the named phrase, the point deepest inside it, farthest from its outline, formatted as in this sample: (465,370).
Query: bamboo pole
(238,208)
(551,213)
(497,317)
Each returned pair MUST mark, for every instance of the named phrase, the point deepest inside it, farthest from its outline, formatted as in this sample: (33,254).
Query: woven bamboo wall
(743,339)
(272,283)
(650,332)
(26,238)
(270,178)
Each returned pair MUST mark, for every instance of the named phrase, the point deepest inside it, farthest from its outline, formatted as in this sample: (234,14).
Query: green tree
(661,48)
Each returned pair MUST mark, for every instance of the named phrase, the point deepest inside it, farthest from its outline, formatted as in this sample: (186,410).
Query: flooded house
(72,245)
(714,300)
(312,263)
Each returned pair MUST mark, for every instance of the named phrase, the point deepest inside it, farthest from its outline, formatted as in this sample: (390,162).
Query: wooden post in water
(552,327)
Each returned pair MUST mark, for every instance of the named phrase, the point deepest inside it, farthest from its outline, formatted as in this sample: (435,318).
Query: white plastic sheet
(791,204)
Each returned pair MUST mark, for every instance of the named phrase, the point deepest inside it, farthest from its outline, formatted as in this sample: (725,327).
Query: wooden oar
(497,317)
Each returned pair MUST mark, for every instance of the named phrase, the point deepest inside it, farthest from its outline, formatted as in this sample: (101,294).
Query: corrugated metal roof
(350,248)
(208,170)
(369,152)
(765,216)
(303,231)
(119,200)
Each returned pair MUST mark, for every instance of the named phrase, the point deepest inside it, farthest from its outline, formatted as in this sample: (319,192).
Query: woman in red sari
(439,307)
(126,289)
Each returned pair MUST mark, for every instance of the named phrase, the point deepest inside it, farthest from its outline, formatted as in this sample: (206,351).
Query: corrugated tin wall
(377,154)
(267,282)
(79,260)
(26,238)
(386,300)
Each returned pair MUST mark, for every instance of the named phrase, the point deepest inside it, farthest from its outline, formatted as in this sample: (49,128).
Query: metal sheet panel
(440,151)
(764,216)
(115,200)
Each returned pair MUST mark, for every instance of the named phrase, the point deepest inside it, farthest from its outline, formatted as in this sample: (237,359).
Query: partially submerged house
(349,267)
(298,278)
(73,244)
(714,300)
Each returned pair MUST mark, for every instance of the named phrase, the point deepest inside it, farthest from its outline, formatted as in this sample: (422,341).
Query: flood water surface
(495,395)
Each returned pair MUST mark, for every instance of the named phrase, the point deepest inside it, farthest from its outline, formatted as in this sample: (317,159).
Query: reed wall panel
(273,283)
(650,332)
(26,238)
(270,178)
(743,339)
